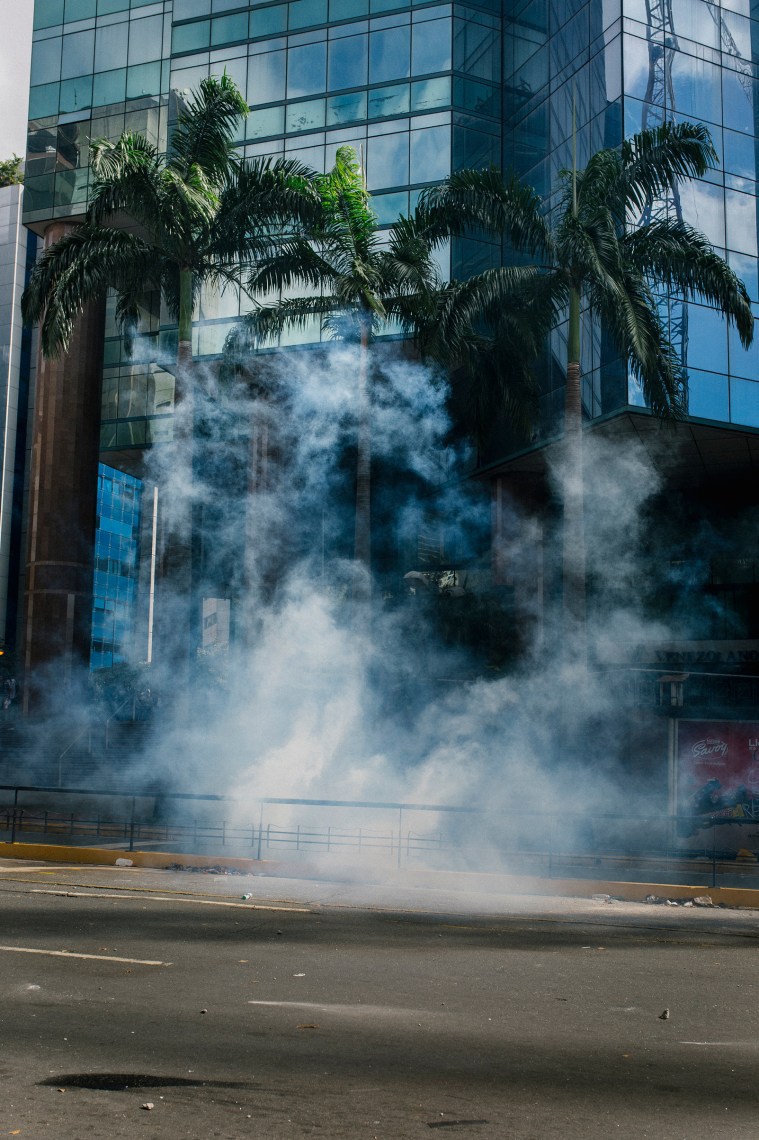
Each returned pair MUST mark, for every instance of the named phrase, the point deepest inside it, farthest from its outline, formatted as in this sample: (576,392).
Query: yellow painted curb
(48,853)
(461,880)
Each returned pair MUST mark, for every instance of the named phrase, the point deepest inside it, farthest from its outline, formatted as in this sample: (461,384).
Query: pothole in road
(121,1082)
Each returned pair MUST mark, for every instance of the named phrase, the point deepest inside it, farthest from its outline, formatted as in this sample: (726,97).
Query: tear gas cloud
(307,702)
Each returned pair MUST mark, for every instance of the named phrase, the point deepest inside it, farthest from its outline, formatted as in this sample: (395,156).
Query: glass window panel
(474,149)
(347,9)
(79,10)
(387,161)
(389,207)
(78,54)
(306,13)
(708,396)
(346,108)
(109,87)
(186,9)
(46,61)
(741,155)
(390,54)
(38,192)
(429,93)
(49,14)
(743,361)
(191,37)
(260,124)
(43,100)
(76,94)
(266,77)
(111,47)
(707,339)
(476,50)
(348,62)
(107,7)
(187,78)
(693,19)
(145,39)
(747,269)
(739,98)
(430,154)
(744,402)
(431,47)
(144,80)
(696,87)
(741,222)
(307,70)
(268,21)
(228,29)
(305,116)
(703,207)
(389,101)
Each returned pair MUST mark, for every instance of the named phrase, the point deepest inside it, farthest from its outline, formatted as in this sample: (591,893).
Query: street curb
(470,881)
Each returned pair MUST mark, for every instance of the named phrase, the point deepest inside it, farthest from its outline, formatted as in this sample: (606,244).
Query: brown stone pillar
(62,505)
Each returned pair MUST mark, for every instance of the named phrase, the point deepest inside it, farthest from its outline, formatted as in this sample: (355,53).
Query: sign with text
(718,778)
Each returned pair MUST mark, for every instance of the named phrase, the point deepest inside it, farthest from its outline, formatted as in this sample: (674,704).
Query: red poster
(718,768)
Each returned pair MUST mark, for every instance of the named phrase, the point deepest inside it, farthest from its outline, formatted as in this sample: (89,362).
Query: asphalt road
(318,1009)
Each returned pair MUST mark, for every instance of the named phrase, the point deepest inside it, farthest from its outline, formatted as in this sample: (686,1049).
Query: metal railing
(664,848)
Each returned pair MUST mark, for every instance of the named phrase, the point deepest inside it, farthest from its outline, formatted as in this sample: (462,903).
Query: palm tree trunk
(179,624)
(573,550)
(362,551)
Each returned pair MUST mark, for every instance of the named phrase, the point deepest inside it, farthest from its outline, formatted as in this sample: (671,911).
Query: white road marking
(359,1009)
(725,1044)
(71,954)
(135,892)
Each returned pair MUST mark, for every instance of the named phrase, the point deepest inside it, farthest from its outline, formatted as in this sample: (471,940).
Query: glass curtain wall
(631,64)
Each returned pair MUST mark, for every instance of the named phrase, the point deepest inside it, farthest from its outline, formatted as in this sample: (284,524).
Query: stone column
(62,505)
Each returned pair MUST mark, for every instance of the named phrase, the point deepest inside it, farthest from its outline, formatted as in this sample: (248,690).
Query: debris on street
(148,1105)
(216,869)
(664,1015)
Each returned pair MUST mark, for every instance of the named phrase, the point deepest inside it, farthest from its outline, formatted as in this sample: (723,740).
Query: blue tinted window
(78,54)
(145,39)
(76,94)
(390,54)
(109,87)
(307,70)
(306,13)
(191,37)
(49,14)
(346,108)
(268,21)
(348,59)
(46,61)
(387,163)
(266,77)
(708,396)
(431,47)
(261,124)
(228,29)
(389,101)
(430,154)
(111,47)
(144,80)
(308,116)
(744,402)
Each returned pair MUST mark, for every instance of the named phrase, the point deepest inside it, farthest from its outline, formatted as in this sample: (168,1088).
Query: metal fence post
(13,824)
(260,829)
(400,834)
(714,854)
(131,827)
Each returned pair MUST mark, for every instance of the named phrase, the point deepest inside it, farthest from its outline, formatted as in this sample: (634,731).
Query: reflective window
(387,161)
(78,54)
(707,338)
(46,61)
(744,402)
(266,77)
(306,13)
(229,29)
(268,21)
(390,54)
(144,80)
(348,61)
(740,210)
(308,116)
(191,37)
(111,47)
(43,100)
(346,108)
(430,154)
(307,69)
(79,10)
(389,101)
(75,94)
(49,14)
(427,94)
(347,9)
(476,50)
(696,87)
(186,9)
(145,39)
(431,47)
(109,87)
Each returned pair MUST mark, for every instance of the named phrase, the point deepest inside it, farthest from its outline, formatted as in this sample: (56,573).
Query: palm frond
(682,259)
(485,199)
(204,133)
(656,160)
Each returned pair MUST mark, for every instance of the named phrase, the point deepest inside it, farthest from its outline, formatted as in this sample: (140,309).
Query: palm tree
(360,281)
(169,223)
(592,252)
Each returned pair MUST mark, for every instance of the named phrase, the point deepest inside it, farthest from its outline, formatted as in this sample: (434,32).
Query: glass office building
(116,567)
(419,89)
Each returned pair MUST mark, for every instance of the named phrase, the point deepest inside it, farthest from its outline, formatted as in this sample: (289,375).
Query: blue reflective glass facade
(420,89)
(116,566)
